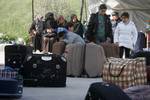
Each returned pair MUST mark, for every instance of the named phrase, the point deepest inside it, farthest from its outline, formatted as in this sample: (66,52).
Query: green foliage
(16,15)
(7,38)
(61,7)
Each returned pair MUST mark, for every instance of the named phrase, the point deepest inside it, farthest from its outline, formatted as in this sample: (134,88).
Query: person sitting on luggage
(48,36)
(68,36)
(78,27)
(61,21)
(125,35)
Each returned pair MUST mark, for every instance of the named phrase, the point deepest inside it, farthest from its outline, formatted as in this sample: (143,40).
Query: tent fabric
(139,10)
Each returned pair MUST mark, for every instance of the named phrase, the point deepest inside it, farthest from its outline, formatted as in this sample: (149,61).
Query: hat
(61,30)
(115,14)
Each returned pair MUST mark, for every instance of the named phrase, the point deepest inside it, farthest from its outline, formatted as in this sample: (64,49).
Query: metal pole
(32,10)
(81,12)
(86,10)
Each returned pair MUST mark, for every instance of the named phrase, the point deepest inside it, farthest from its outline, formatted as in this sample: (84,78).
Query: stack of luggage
(38,70)
(11,79)
(85,59)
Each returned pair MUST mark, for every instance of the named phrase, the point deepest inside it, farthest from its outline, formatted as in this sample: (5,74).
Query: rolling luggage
(110,49)
(74,54)
(94,59)
(145,54)
(15,55)
(11,83)
(58,47)
(45,70)
(141,92)
(105,91)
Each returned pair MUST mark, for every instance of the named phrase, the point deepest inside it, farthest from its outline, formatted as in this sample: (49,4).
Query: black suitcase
(15,55)
(45,70)
(11,88)
(105,91)
(145,54)
(11,84)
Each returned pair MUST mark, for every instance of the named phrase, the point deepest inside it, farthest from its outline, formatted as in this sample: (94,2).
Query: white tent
(139,10)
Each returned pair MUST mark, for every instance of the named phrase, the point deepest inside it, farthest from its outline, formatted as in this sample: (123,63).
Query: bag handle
(118,74)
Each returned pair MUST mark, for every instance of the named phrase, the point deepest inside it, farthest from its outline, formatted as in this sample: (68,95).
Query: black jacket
(93,25)
(38,26)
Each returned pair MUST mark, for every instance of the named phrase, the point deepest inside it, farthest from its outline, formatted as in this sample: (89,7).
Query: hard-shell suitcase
(10,88)
(94,59)
(105,91)
(145,54)
(58,47)
(11,84)
(110,49)
(74,55)
(45,70)
(15,55)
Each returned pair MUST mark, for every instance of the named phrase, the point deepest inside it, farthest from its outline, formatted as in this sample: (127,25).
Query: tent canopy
(139,10)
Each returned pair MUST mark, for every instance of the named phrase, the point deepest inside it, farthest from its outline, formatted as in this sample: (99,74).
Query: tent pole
(32,10)
(81,11)
(85,10)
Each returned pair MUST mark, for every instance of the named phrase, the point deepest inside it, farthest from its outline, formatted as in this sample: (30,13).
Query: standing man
(125,35)
(100,25)
(115,20)
(36,31)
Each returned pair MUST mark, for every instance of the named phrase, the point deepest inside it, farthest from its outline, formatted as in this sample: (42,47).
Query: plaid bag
(8,72)
(125,72)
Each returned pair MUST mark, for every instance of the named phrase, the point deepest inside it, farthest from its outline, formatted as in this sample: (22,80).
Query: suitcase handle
(118,74)
(46,58)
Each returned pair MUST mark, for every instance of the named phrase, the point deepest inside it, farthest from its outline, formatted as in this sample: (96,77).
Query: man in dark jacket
(100,25)
(36,31)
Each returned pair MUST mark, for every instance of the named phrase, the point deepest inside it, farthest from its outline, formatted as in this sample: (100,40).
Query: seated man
(68,36)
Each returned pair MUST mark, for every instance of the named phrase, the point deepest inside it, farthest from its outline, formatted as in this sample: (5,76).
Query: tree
(58,7)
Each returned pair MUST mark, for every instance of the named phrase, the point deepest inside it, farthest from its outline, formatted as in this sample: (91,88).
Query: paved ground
(76,89)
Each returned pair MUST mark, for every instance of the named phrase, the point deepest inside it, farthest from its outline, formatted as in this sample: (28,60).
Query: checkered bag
(8,72)
(125,72)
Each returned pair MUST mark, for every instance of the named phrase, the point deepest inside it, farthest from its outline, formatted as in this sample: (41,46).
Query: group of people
(120,30)
(44,32)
